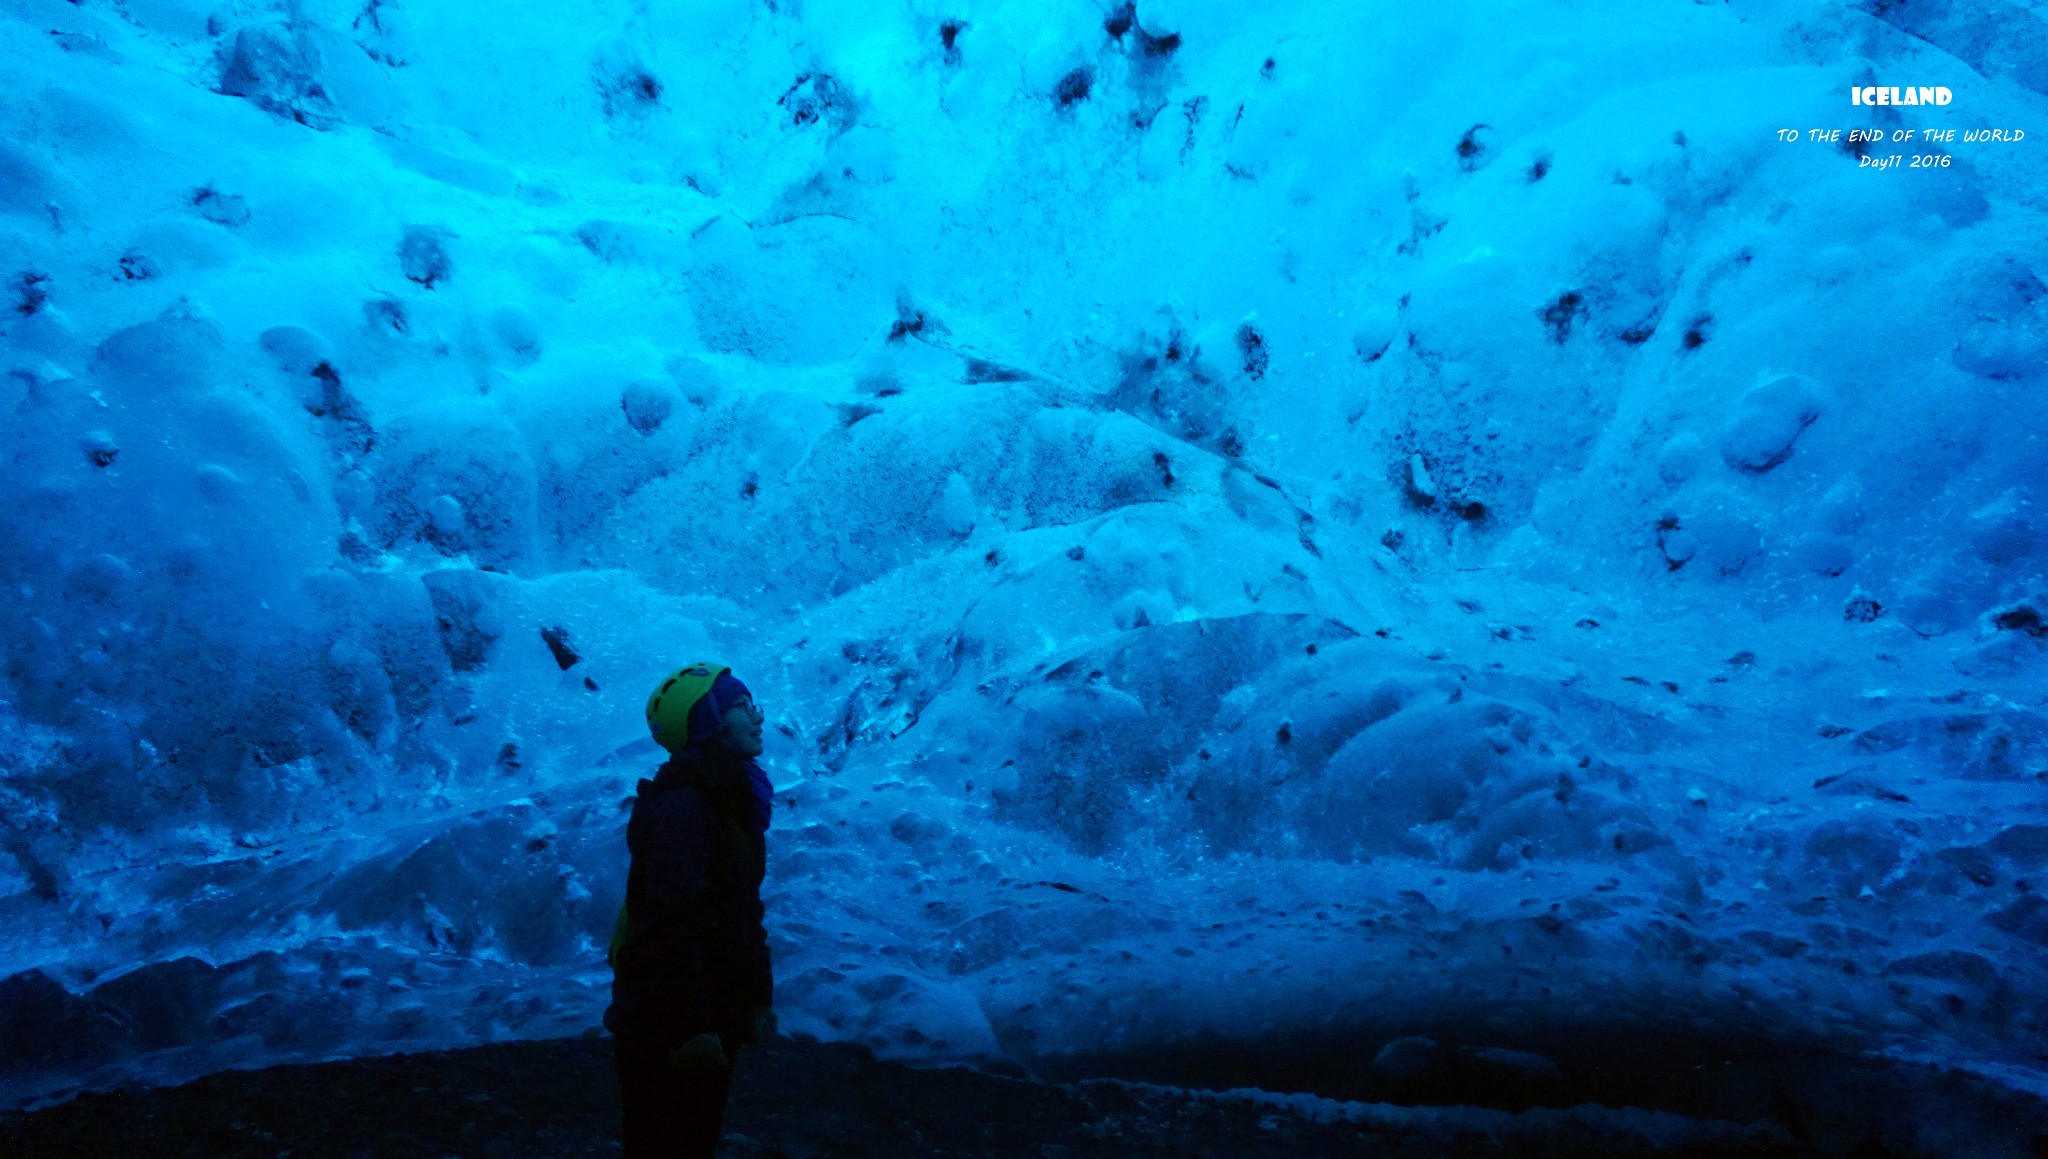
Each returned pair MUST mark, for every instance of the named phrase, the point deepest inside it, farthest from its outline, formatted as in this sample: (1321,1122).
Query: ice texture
(1405,522)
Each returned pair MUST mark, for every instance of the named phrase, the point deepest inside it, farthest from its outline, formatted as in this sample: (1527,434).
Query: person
(691,979)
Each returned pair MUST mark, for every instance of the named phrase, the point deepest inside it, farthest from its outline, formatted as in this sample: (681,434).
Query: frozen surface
(1246,520)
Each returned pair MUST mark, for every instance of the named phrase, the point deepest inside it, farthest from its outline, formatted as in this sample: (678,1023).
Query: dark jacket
(695,957)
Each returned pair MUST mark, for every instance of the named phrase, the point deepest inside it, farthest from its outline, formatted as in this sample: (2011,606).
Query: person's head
(740,726)
(704,708)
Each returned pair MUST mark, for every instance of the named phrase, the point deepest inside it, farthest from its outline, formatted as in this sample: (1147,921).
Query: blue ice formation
(1246,519)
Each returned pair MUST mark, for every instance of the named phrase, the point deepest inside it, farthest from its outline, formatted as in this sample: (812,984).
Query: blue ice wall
(1244,519)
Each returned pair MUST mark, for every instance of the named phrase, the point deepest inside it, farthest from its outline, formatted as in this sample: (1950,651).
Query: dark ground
(791,1099)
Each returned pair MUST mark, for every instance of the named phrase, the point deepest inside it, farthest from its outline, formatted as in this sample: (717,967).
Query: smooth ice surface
(1246,519)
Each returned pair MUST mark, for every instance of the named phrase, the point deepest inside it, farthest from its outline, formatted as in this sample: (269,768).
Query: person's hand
(703,1054)
(764,1023)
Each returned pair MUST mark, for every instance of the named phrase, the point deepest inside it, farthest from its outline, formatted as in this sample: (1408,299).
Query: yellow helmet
(668,710)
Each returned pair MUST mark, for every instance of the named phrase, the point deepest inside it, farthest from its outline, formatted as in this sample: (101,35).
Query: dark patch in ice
(909,326)
(556,638)
(853,412)
(100,448)
(1539,168)
(818,97)
(1696,332)
(646,407)
(2021,618)
(31,291)
(949,39)
(914,321)
(139,267)
(1074,87)
(1164,466)
(982,370)
(626,86)
(1120,21)
(354,435)
(229,209)
(1475,148)
(422,256)
(1559,316)
(386,315)
(1158,46)
(277,68)
(1252,350)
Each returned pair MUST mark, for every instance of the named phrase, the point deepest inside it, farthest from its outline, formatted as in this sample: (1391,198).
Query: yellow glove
(703,1054)
(764,1024)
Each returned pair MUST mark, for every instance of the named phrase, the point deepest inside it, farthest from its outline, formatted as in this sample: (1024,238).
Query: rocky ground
(796,1099)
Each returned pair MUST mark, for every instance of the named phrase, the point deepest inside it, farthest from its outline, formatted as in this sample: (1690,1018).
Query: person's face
(743,727)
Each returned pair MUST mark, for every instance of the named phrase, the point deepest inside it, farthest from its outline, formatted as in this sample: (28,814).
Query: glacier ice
(1383,524)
